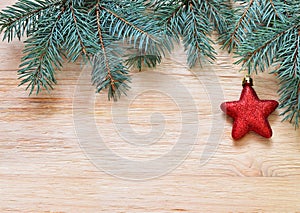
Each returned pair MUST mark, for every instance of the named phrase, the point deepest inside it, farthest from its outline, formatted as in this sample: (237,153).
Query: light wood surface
(45,168)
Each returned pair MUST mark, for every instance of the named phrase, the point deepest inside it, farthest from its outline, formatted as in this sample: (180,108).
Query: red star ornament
(250,113)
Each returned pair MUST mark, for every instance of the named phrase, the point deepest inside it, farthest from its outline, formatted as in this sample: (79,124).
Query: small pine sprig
(142,58)
(193,21)
(42,56)
(22,18)
(113,24)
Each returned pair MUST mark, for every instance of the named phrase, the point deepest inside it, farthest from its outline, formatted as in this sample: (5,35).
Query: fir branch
(259,57)
(80,37)
(173,14)
(274,8)
(141,58)
(169,19)
(186,20)
(289,75)
(134,27)
(218,12)
(244,25)
(23,17)
(123,27)
(195,38)
(108,71)
(43,57)
(99,30)
(273,11)
(137,27)
(78,31)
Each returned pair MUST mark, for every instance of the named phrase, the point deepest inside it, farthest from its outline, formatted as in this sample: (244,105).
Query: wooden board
(47,166)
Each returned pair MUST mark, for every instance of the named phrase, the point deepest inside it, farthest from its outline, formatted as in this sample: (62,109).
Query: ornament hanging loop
(248,80)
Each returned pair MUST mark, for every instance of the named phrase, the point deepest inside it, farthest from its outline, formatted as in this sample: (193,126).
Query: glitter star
(250,113)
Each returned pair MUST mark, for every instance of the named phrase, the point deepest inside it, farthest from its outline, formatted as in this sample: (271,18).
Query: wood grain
(43,167)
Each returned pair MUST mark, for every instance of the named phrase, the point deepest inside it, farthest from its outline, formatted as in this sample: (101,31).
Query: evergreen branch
(173,14)
(42,57)
(125,21)
(170,19)
(78,32)
(116,80)
(139,28)
(22,17)
(257,13)
(80,36)
(239,23)
(289,75)
(273,11)
(127,28)
(141,58)
(217,11)
(242,27)
(274,8)
(262,56)
(108,71)
(102,45)
(195,37)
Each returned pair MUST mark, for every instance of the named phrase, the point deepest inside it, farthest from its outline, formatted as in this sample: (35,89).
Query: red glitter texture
(250,113)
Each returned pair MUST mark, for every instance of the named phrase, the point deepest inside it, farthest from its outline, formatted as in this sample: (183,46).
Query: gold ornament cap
(248,80)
